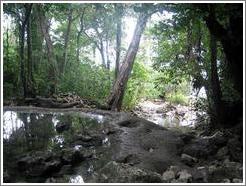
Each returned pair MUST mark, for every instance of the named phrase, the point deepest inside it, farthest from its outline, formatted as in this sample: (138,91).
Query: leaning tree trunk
(116,97)
(118,37)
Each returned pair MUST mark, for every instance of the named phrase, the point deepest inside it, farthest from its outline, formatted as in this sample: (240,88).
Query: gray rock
(200,175)
(236,180)
(6,177)
(188,160)
(168,176)
(211,169)
(222,152)
(175,169)
(60,127)
(226,180)
(184,176)
(235,147)
(114,172)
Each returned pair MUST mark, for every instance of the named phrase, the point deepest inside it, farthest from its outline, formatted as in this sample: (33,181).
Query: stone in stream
(184,176)
(188,160)
(168,176)
(200,175)
(60,127)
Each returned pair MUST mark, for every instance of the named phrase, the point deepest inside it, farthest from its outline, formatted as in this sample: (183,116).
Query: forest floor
(120,147)
(168,115)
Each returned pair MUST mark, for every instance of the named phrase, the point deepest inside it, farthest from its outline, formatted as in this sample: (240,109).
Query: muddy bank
(75,145)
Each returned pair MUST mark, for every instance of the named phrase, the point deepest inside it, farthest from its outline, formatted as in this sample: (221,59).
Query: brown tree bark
(66,40)
(30,79)
(52,66)
(116,97)
(216,94)
(119,12)
(79,35)
(22,30)
(21,57)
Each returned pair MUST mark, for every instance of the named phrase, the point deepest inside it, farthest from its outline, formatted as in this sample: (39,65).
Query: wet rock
(131,159)
(130,123)
(200,175)
(84,138)
(226,180)
(114,172)
(25,162)
(60,127)
(51,167)
(226,169)
(222,152)
(188,160)
(205,146)
(51,180)
(175,169)
(187,137)
(72,156)
(212,169)
(168,176)
(89,141)
(66,169)
(184,176)
(236,180)
(6,177)
(235,149)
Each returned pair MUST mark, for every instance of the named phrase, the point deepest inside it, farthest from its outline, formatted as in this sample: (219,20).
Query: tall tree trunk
(231,38)
(116,97)
(21,56)
(101,50)
(119,10)
(30,80)
(107,53)
(37,41)
(22,31)
(79,35)
(67,35)
(52,66)
(216,94)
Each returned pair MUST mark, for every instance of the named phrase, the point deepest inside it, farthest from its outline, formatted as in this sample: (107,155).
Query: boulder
(200,175)
(236,180)
(222,152)
(184,176)
(226,180)
(168,176)
(60,127)
(235,149)
(114,172)
(188,160)
(205,146)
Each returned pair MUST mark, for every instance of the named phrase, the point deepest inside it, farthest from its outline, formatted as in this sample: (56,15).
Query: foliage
(136,86)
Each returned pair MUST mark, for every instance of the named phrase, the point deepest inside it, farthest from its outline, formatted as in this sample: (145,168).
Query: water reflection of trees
(34,134)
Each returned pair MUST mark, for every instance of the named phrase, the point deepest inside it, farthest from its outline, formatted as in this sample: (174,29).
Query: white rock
(168,176)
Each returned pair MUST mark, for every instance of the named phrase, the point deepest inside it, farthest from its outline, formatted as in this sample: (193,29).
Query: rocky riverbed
(88,145)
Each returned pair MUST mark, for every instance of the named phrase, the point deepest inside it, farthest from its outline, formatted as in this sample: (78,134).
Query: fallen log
(50,103)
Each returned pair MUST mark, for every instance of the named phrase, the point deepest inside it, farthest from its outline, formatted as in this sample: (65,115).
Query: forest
(87,73)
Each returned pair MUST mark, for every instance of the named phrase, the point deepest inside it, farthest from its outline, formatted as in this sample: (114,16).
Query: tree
(118,90)
(66,39)
(119,14)
(52,71)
